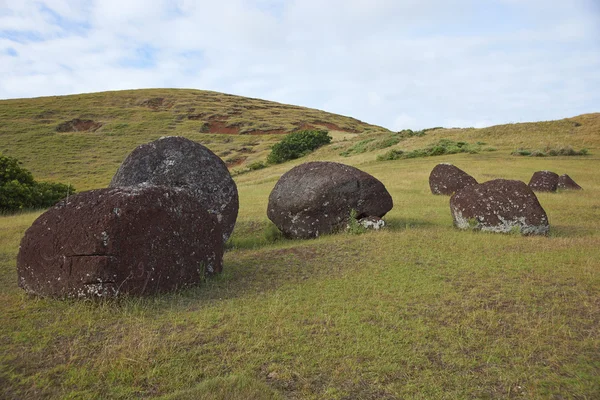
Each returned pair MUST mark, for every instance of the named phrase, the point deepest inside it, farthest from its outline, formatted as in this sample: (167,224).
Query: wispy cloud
(395,63)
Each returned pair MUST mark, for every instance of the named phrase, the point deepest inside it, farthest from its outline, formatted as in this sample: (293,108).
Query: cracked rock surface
(448,179)
(179,162)
(109,242)
(499,205)
(316,198)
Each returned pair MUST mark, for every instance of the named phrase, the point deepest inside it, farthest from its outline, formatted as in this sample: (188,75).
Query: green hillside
(416,311)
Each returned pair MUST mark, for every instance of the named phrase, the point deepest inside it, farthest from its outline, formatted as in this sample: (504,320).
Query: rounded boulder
(111,242)
(179,162)
(500,205)
(316,198)
(447,179)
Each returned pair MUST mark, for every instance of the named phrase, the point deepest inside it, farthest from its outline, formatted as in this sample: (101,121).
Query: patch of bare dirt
(79,125)
(219,125)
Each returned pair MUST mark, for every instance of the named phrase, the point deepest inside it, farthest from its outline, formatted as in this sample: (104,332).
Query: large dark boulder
(448,179)
(544,181)
(499,205)
(109,242)
(316,198)
(566,183)
(179,162)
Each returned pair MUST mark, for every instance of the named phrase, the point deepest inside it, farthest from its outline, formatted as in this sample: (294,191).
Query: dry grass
(419,310)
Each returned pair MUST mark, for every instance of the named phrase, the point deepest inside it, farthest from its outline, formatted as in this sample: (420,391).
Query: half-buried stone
(544,181)
(179,162)
(566,183)
(111,242)
(448,179)
(316,198)
(500,205)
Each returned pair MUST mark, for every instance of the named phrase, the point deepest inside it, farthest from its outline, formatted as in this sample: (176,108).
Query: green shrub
(441,147)
(256,166)
(297,144)
(552,152)
(354,227)
(18,189)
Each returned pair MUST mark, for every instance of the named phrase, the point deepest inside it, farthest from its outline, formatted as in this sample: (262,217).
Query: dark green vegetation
(19,191)
(441,147)
(417,311)
(296,145)
(564,151)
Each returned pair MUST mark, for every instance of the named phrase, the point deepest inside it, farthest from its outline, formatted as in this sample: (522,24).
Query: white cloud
(401,64)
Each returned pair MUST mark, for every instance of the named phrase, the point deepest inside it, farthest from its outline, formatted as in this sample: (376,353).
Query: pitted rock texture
(544,181)
(499,205)
(111,242)
(448,179)
(566,183)
(316,198)
(179,162)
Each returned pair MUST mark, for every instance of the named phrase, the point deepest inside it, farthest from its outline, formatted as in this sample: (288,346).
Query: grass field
(417,311)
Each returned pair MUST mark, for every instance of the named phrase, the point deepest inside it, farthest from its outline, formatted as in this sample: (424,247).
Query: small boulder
(374,223)
(501,206)
(316,198)
(110,242)
(544,181)
(448,179)
(566,183)
(179,162)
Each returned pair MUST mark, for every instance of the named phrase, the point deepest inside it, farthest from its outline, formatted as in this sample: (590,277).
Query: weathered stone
(566,183)
(179,162)
(448,179)
(544,181)
(499,205)
(316,198)
(374,223)
(109,242)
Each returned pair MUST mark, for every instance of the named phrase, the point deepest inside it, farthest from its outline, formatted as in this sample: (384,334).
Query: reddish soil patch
(78,125)
(219,125)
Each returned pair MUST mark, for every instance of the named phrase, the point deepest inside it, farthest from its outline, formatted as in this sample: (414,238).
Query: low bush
(441,147)
(18,189)
(550,152)
(297,144)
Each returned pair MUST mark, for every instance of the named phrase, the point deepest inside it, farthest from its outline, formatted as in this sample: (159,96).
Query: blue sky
(400,64)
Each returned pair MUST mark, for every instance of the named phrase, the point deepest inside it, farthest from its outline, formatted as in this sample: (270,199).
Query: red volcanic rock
(109,242)
(499,205)
(544,181)
(566,183)
(316,198)
(179,162)
(448,179)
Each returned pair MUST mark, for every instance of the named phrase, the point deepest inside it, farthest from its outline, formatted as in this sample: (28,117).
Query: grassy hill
(419,310)
(238,129)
